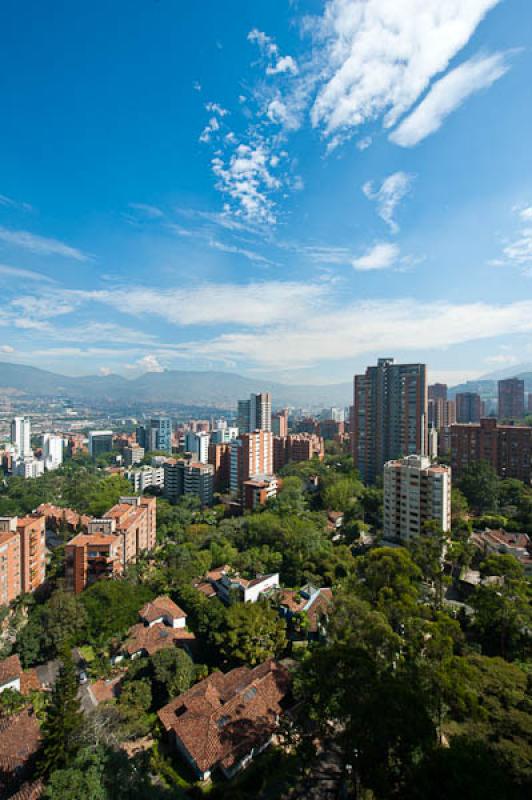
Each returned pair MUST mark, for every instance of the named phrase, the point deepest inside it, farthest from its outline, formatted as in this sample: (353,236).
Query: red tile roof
(223,717)
(160,607)
(10,668)
(19,740)
(29,791)
(157,637)
(103,690)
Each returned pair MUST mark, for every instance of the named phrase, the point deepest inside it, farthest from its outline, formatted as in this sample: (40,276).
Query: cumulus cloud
(40,244)
(447,95)
(392,190)
(150,364)
(283,64)
(382,255)
(6,348)
(247,179)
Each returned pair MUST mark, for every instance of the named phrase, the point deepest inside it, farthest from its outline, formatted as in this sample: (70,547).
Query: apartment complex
(415,492)
(197,444)
(297,447)
(511,399)
(508,448)
(111,543)
(255,414)
(220,458)
(145,477)
(280,423)
(251,455)
(188,478)
(389,415)
(468,407)
(22,555)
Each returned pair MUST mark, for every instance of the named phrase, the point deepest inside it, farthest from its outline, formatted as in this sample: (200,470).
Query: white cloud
(284,64)
(282,114)
(152,212)
(501,360)
(105,371)
(247,180)
(265,42)
(216,108)
(211,127)
(10,203)
(23,274)
(379,56)
(526,214)
(251,255)
(364,143)
(447,95)
(393,189)
(518,252)
(6,348)
(382,255)
(40,244)
(150,364)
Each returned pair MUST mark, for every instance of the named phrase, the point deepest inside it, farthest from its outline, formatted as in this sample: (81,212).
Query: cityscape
(266,400)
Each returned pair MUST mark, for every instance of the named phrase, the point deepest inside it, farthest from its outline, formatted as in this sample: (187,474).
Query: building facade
(189,478)
(197,444)
(100,442)
(255,414)
(415,492)
(297,447)
(251,455)
(508,448)
(22,555)
(21,437)
(468,407)
(389,416)
(52,451)
(511,399)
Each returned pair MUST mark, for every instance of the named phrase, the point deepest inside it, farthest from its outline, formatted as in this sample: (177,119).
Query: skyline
(276,194)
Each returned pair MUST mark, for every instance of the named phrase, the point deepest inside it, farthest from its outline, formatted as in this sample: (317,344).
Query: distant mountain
(487,386)
(518,370)
(220,389)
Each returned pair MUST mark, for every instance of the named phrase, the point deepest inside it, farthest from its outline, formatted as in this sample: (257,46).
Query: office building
(297,447)
(255,414)
(280,423)
(415,492)
(188,478)
(111,543)
(22,555)
(21,437)
(438,391)
(197,444)
(508,448)
(468,408)
(52,451)
(100,442)
(511,399)
(390,415)
(155,435)
(251,455)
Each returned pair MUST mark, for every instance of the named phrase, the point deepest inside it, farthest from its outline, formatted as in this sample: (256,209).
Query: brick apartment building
(508,448)
(22,555)
(297,447)
(251,455)
(220,458)
(111,543)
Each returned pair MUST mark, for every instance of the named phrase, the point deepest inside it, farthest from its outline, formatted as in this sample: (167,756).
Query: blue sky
(284,189)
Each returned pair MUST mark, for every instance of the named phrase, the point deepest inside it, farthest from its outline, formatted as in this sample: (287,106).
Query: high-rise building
(511,399)
(280,423)
(468,407)
(224,435)
(133,455)
(156,434)
(188,478)
(441,413)
(438,391)
(390,415)
(22,555)
(52,450)
(251,455)
(220,458)
(529,402)
(100,442)
(508,448)
(197,444)
(415,492)
(255,414)
(21,437)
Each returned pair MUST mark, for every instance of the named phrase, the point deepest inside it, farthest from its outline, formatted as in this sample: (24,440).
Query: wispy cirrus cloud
(9,202)
(23,274)
(448,94)
(382,255)
(40,244)
(517,251)
(393,189)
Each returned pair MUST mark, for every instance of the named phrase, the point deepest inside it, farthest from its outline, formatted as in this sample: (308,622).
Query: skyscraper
(390,415)
(156,435)
(198,445)
(468,407)
(255,414)
(21,436)
(511,398)
(438,391)
(52,450)
(251,455)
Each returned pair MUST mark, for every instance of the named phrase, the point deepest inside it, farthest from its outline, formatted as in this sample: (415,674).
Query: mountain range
(218,389)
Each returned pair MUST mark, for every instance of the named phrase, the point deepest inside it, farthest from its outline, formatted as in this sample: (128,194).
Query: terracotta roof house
(12,676)
(31,790)
(102,691)
(163,610)
(145,640)
(226,583)
(315,603)
(226,719)
(19,742)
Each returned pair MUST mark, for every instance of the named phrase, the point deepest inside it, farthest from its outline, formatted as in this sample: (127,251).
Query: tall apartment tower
(468,408)
(438,391)
(389,415)
(251,456)
(21,436)
(511,399)
(198,445)
(52,450)
(415,492)
(255,414)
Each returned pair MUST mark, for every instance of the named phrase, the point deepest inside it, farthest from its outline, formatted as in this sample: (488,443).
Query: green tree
(480,485)
(173,671)
(252,633)
(390,581)
(62,727)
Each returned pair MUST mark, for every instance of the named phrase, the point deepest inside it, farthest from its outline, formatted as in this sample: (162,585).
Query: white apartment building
(28,467)
(21,436)
(145,476)
(52,450)
(415,491)
(198,445)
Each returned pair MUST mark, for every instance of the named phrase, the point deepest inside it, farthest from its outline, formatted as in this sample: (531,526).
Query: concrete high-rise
(468,408)
(280,423)
(389,415)
(415,492)
(100,442)
(511,399)
(438,391)
(197,444)
(21,436)
(255,414)
(52,450)
(251,455)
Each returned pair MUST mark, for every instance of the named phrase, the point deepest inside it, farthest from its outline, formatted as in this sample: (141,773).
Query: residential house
(19,743)
(227,584)
(225,720)
(310,604)
(163,625)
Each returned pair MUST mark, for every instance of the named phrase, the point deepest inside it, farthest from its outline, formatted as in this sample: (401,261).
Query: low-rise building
(257,491)
(490,542)
(307,610)
(297,447)
(508,448)
(145,477)
(20,740)
(227,584)
(222,722)
(163,610)
(163,625)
